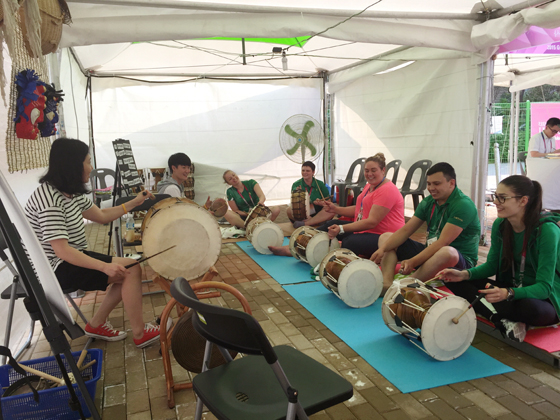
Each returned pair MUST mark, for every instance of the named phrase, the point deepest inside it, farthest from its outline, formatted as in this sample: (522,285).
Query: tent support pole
(482,144)
(516,133)
(511,133)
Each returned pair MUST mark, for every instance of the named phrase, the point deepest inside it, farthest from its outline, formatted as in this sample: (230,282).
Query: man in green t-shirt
(452,236)
(318,193)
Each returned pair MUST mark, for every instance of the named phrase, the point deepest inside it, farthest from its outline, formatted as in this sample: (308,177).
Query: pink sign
(540,113)
(534,37)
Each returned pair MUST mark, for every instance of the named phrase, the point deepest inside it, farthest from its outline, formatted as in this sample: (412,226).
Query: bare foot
(281,250)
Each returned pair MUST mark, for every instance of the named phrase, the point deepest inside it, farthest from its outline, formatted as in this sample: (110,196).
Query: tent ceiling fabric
(163,38)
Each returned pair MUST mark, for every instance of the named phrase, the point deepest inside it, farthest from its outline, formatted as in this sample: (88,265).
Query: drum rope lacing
(427,289)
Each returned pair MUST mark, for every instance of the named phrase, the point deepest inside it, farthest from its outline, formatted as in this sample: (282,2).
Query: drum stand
(165,336)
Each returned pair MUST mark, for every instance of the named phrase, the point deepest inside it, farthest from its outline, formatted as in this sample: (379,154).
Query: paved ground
(133,384)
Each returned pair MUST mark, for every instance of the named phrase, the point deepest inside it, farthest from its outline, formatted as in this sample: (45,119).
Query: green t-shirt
(459,210)
(313,191)
(247,199)
(540,279)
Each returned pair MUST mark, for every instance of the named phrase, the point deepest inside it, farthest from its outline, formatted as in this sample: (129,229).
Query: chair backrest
(361,162)
(522,158)
(395,165)
(101,175)
(228,328)
(423,166)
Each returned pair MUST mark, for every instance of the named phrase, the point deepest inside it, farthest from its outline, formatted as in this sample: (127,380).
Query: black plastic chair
(100,175)
(423,166)
(522,158)
(271,383)
(395,165)
(348,183)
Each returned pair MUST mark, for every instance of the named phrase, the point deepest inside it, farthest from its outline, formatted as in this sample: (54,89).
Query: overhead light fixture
(276,50)
(284,61)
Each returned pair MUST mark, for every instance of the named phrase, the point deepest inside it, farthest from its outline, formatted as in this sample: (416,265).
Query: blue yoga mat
(285,270)
(399,361)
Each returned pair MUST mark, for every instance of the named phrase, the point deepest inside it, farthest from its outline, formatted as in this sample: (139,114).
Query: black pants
(364,244)
(530,311)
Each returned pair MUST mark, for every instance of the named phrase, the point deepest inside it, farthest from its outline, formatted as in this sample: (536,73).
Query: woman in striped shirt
(56,211)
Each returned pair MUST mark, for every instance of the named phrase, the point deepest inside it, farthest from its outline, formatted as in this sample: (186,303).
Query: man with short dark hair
(452,235)
(544,142)
(179,169)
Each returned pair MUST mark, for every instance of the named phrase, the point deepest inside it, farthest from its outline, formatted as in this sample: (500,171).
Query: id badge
(359,217)
(431,241)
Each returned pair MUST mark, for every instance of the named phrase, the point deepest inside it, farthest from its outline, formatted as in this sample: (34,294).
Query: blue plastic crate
(53,403)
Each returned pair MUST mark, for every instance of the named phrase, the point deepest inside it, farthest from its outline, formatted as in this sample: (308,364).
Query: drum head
(319,246)
(188,346)
(193,230)
(388,299)
(266,234)
(360,283)
(442,338)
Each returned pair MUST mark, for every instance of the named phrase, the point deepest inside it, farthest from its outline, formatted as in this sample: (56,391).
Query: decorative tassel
(33,23)
(10,23)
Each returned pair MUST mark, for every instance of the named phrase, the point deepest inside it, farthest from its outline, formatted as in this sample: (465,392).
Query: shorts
(72,277)
(412,248)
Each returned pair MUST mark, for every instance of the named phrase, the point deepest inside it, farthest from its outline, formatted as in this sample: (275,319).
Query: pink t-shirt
(388,196)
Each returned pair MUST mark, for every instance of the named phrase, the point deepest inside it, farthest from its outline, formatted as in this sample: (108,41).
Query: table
(547,172)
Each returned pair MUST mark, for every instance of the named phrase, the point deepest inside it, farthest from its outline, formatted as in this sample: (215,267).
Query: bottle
(129,236)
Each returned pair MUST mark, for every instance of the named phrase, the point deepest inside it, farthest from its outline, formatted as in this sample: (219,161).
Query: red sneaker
(151,335)
(105,332)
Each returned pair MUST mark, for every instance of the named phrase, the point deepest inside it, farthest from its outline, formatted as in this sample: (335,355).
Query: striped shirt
(52,216)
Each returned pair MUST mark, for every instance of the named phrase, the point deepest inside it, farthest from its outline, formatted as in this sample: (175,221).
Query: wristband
(124,208)
(510,294)
(341,230)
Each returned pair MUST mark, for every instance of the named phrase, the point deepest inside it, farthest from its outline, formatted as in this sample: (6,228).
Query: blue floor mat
(399,361)
(285,270)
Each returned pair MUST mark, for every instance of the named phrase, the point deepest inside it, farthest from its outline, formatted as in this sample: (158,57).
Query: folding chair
(270,383)
(423,166)
(348,183)
(395,165)
(102,193)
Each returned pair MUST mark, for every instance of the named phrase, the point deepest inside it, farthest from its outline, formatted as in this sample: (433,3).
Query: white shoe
(515,331)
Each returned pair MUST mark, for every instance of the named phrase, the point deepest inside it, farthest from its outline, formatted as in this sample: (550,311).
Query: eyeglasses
(552,129)
(502,199)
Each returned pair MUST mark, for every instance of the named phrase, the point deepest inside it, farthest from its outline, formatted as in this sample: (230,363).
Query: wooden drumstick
(474,302)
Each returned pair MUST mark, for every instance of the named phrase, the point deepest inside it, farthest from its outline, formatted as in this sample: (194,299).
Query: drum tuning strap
(399,299)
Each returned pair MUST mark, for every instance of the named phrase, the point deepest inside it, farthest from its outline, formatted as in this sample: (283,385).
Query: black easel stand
(39,308)
(117,193)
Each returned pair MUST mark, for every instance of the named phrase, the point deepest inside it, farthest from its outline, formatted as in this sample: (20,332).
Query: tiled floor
(133,385)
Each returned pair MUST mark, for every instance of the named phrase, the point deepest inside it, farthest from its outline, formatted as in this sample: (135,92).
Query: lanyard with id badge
(432,238)
(361,213)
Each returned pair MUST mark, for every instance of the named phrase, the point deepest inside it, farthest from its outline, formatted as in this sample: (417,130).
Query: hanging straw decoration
(24,154)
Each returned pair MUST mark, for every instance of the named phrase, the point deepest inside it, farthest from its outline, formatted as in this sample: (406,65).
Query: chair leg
(343,196)
(415,201)
(10,318)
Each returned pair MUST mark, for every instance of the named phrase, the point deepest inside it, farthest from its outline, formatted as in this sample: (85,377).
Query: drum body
(356,281)
(193,230)
(219,207)
(410,305)
(260,210)
(263,233)
(300,205)
(311,245)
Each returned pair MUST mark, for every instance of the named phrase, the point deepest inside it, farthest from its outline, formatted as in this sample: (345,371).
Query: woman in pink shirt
(379,209)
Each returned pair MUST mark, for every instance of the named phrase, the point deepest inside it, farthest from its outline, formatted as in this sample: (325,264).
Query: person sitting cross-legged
(453,232)
(525,258)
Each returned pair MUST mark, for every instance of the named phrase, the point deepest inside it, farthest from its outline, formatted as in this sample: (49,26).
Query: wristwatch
(341,230)
(510,294)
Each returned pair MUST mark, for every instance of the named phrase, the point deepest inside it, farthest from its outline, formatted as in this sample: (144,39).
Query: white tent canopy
(167,41)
